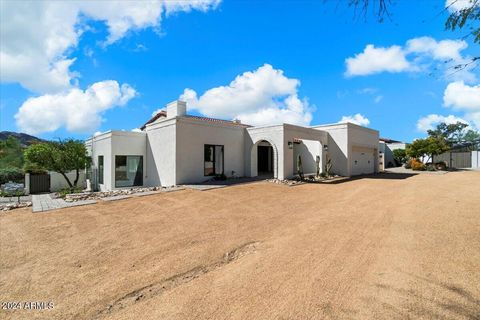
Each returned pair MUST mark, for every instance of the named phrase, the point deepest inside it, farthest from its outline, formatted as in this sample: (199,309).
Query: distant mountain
(25,139)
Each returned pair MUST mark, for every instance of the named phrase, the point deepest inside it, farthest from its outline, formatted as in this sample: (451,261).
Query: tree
(60,156)
(400,156)
(466,17)
(430,147)
(11,153)
(452,133)
(379,8)
(456,134)
(473,138)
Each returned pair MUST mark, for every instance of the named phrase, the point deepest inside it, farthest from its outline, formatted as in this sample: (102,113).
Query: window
(213,160)
(100,169)
(128,171)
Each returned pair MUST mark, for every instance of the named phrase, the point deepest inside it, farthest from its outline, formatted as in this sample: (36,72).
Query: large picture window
(213,160)
(128,171)
(100,169)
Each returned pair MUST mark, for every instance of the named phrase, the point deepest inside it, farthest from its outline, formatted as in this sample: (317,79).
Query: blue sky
(204,46)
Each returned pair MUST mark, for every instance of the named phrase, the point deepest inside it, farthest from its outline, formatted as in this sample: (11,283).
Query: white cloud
(375,60)
(430,121)
(260,97)
(356,119)
(457,5)
(462,97)
(418,54)
(439,50)
(444,54)
(35,35)
(38,36)
(367,90)
(136,130)
(371,91)
(77,110)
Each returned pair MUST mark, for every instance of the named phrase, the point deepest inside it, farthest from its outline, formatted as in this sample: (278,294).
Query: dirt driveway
(371,248)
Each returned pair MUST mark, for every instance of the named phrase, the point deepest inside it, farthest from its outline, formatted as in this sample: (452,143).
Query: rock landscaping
(306,179)
(14,205)
(287,182)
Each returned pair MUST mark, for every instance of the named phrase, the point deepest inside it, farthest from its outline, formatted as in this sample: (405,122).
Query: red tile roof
(161,114)
(228,122)
(387,140)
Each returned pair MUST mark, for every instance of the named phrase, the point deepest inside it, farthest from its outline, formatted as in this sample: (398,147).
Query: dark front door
(39,183)
(265,161)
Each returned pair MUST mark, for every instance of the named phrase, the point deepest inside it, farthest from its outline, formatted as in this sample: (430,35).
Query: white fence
(58,182)
(476,159)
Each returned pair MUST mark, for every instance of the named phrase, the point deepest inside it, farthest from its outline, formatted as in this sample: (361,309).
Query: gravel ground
(383,247)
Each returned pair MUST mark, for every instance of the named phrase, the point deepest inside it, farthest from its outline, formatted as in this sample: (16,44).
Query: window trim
(214,158)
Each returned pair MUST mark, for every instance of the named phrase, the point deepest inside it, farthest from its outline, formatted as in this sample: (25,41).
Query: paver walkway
(410,171)
(44,202)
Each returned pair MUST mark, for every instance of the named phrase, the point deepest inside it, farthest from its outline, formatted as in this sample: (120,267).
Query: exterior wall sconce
(290,145)
(325,147)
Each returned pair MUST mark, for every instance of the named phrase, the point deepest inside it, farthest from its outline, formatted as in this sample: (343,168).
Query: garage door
(362,161)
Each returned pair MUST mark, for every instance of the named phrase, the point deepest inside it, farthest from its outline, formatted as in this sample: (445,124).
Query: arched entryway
(264,158)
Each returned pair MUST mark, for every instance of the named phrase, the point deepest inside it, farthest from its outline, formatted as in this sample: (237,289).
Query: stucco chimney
(176,108)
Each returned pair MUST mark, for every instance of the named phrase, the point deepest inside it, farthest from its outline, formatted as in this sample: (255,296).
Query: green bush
(11,174)
(63,192)
(430,167)
(400,156)
(220,176)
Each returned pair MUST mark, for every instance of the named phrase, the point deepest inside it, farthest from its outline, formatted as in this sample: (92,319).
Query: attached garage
(363,161)
(353,149)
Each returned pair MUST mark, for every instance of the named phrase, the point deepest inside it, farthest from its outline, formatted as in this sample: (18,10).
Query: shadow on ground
(215,184)
(436,300)
(380,176)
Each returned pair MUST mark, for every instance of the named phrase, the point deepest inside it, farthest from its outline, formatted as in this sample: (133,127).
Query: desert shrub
(408,164)
(63,192)
(430,167)
(11,174)
(17,193)
(417,165)
(441,165)
(220,176)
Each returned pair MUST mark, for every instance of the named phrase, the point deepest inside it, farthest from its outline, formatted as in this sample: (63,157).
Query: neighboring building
(386,147)
(176,148)
(458,159)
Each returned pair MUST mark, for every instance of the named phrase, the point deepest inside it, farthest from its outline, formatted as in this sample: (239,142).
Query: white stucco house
(175,148)
(386,147)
